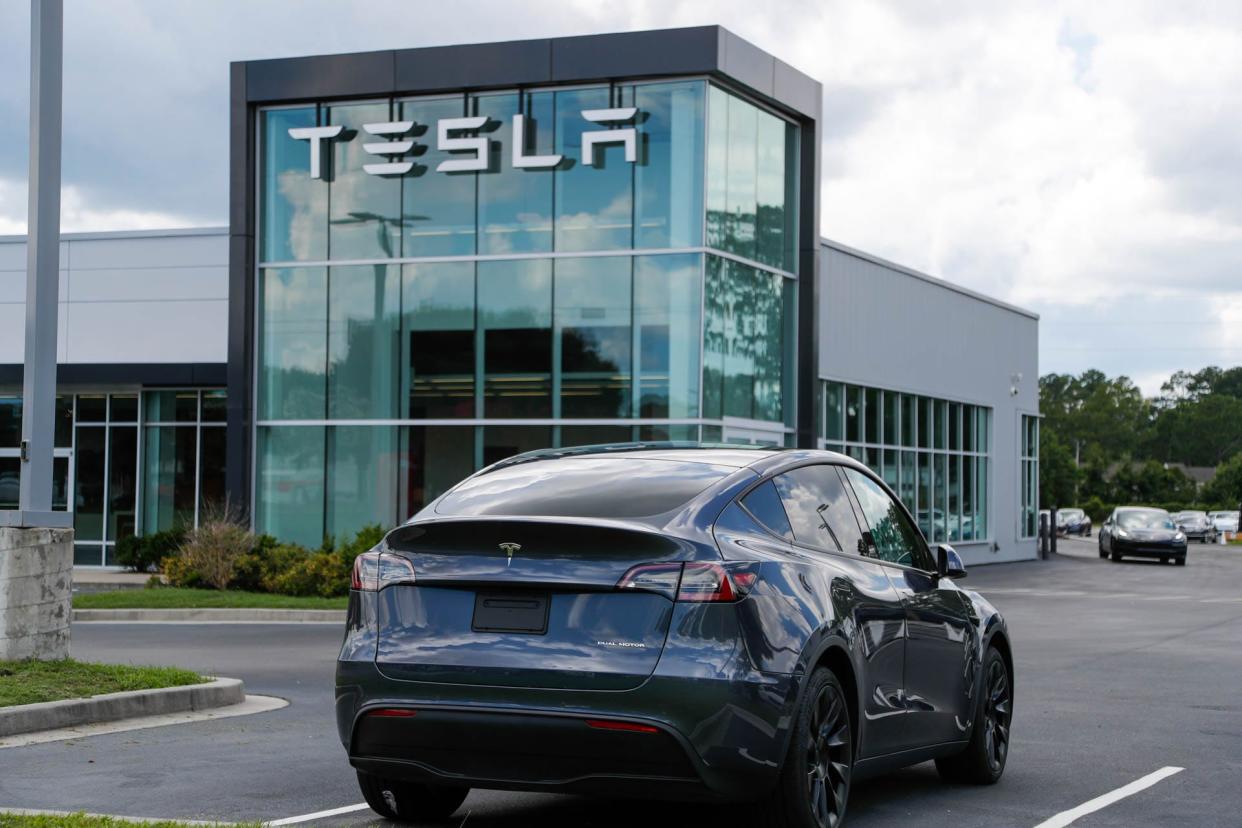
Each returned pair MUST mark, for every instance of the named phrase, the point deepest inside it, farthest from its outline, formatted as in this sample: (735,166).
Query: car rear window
(583,487)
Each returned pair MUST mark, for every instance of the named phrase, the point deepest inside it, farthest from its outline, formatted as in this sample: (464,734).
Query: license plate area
(511,612)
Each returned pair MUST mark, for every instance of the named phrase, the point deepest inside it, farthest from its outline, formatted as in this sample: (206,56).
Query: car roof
(762,459)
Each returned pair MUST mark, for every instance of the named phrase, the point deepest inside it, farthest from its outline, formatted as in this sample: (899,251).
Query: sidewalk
(97,580)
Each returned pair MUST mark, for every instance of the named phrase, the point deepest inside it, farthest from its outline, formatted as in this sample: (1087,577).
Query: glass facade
(567,280)
(125,463)
(935,454)
(1028,464)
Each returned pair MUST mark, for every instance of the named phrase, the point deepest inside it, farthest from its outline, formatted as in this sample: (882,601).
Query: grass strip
(90,821)
(31,682)
(186,598)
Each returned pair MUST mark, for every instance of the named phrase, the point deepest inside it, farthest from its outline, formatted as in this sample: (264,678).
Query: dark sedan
(1073,522)
(1196,526)
(1138,532)
(729,624)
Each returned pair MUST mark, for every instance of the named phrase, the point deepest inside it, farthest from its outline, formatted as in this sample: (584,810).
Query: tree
(1225,490)
(1058,477)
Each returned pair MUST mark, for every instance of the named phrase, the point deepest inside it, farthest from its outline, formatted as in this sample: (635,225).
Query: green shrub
(325,574)
(179,572)
(142,553)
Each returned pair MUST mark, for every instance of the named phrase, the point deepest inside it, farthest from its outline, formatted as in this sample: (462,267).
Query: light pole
(36,543)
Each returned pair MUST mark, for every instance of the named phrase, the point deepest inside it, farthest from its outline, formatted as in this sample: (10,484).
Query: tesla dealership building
(439,257)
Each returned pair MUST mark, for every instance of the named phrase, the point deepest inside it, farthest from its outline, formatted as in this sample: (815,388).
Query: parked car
(665,621)
(1225,521)
(1197,526)
(1140,532)
(1073,522)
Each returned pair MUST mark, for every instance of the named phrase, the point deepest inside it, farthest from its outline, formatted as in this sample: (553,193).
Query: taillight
(693,582)
(392,713)
(375,570)
(626,727)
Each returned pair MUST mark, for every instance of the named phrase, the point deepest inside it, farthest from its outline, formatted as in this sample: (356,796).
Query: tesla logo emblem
(472,151)
(510,549)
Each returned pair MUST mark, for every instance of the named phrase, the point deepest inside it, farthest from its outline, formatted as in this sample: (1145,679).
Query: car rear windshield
(583,487)
(1144,520)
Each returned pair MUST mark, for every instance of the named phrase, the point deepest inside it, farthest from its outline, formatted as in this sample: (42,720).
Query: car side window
(765,504)
(819,509)
(893,536)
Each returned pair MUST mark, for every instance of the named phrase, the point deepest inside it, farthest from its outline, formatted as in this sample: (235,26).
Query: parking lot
(1121,670)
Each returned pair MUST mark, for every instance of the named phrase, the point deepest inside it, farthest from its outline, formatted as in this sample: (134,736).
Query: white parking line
(1100,802)
(331,812)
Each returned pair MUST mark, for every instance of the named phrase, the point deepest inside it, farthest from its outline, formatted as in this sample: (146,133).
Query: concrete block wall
(36,588)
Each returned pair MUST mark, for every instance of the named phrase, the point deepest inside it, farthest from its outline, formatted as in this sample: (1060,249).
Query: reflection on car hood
(1151,534)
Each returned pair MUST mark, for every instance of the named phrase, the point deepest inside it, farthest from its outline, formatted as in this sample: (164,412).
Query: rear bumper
(717,739)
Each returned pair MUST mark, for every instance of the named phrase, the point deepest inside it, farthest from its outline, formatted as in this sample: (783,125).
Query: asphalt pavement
(1122,669)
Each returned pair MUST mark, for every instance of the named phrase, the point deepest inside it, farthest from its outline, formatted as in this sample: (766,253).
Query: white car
(1224,521)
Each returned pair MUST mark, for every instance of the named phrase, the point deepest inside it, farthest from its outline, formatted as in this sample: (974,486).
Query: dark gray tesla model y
(670,621)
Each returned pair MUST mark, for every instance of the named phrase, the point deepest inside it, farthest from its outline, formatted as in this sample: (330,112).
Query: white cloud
(1079,158)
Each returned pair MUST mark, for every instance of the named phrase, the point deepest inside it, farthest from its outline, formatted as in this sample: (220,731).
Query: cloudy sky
(1080,159)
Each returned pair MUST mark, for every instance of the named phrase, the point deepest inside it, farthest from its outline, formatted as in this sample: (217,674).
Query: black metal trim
(145,374)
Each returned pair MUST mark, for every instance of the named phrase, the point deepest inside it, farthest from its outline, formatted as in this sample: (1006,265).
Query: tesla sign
(391,147)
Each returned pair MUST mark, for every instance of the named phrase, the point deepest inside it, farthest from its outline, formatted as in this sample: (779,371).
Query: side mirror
(948,562)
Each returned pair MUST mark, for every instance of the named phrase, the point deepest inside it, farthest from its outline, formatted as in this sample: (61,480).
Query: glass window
(925,422)
(92,408)
(10,482)
(123,480)
(667,291)
(595,435)
(289,502)
(853,414)
(834,417)
(655,433)
(891,409)
(765,504)
(88,490)
(940,414)
(169,470)
(871,407)
(10,422)
(908,421)
(434,458)
(293,345)
(594,202)
(64,421)
(955,426)
(744,342)
(500,442)
(940,528)
(166,406)
(819,509)
(364,220)
(87,554)
(515,205)
(294,215)
(515,318)
(968,498)
(955,499)
(668,182)
(906,489)
(925,494)
(593,330)
(742,175)
(583,486)
(771,192)
(361,480)
(890,468)
(717,166)
(215,406)
(212,498)
(893,537)
(123,408)
(968,428)
(437,208)
(364,318)
(439,338)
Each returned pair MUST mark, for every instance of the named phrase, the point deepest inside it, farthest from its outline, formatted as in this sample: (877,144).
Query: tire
(1116,556)
(1103,554)
(405,801)
(814,786)
(1180,561)
(983,760)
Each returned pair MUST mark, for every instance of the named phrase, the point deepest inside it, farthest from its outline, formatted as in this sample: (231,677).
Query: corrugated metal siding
(883,327)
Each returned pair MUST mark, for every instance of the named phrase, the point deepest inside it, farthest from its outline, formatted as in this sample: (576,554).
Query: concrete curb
(199,616)
(110,707)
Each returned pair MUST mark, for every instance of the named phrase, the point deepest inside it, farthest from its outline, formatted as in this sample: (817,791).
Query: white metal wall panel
(150,297)
(885,326)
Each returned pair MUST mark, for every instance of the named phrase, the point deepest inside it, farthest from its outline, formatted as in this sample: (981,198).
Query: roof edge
(938,282)
(129,234)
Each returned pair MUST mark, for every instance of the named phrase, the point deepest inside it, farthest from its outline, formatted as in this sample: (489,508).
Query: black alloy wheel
(983,760)
(828,760)
(997,714)
(814,785)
